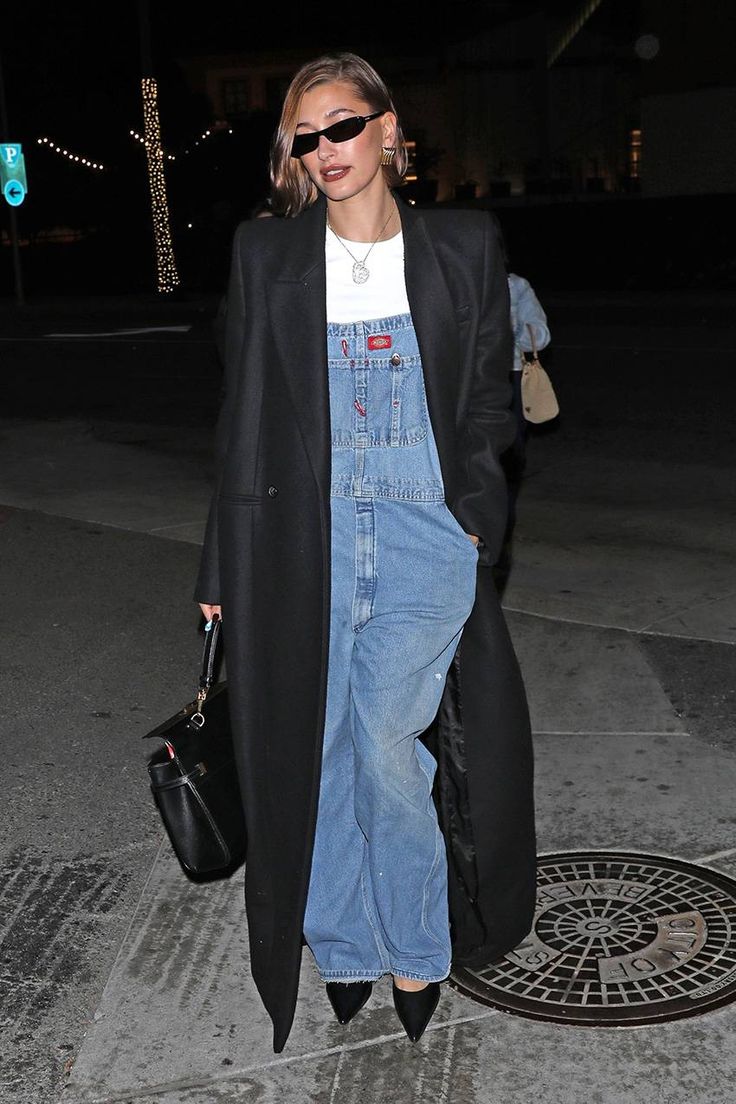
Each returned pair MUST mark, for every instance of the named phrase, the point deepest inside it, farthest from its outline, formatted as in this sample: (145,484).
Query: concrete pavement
(622,606)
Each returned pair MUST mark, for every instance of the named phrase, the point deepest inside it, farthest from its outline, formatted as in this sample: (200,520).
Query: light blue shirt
(526,310)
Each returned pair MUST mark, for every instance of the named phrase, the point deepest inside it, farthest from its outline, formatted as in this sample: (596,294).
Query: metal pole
(20,298)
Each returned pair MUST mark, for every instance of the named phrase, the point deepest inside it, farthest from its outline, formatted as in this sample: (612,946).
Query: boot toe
(347,998)
(415,1010)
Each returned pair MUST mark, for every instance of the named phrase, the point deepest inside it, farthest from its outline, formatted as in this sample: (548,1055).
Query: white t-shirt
(384,292)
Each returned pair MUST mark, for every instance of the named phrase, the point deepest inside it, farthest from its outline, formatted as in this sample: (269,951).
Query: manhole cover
(618,940)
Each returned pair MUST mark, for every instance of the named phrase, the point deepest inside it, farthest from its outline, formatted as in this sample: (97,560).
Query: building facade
(616,98)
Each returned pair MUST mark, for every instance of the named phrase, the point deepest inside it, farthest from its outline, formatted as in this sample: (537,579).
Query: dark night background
(121,980)
(72,74)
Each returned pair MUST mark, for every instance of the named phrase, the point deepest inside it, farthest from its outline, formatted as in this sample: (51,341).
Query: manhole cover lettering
(618,939)
(678,939)
(570,891)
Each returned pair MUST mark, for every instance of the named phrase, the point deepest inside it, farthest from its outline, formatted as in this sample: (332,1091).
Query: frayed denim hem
(363,975)
(411,975)
(350,975)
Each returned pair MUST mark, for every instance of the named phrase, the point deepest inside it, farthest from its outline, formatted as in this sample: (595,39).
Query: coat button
(272,492)
(395,360)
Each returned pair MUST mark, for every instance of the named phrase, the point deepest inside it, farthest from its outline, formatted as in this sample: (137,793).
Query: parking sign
(13,173)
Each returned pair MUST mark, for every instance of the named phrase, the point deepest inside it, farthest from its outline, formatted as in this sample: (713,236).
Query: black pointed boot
(347,998)
(415,1010)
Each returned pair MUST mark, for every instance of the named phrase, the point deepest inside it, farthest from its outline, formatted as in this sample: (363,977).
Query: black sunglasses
(341,131)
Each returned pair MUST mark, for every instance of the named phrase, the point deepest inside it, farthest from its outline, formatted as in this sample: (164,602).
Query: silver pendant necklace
(361,272)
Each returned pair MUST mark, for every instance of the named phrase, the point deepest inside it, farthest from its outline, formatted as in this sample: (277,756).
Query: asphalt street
(622,606)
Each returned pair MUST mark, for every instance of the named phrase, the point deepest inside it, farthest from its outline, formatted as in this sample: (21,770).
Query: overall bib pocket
(375,402)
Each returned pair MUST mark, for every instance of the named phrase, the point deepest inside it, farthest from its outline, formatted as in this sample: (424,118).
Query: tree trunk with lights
(168,276)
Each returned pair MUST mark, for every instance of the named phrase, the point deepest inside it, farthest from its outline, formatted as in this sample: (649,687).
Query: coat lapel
(297,306)
(435,323)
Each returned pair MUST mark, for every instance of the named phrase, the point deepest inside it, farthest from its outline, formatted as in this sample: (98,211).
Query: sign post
(13,200)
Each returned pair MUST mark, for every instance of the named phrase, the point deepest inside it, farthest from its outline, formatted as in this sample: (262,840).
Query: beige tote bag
(538,399)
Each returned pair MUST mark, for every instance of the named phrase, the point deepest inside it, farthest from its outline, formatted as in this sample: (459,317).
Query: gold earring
(387,154)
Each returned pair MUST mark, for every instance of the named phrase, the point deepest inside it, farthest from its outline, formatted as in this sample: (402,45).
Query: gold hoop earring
(387,154)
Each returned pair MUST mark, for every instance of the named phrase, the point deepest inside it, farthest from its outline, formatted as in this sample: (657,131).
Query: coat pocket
(240,499)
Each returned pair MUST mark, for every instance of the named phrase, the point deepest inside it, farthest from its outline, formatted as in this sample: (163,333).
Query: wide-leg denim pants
(402,586)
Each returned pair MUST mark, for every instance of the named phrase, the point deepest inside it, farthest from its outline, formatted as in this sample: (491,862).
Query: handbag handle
(211,636)
(193,711)
(533,340)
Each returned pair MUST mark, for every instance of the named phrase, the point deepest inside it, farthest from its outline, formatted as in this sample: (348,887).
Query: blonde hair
(292,189)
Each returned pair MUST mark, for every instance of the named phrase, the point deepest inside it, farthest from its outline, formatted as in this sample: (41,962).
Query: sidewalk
(622,607)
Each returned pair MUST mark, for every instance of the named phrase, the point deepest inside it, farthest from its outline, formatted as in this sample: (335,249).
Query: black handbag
(194,777)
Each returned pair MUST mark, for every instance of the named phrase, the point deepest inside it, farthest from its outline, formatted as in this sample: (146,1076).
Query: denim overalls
(402,586)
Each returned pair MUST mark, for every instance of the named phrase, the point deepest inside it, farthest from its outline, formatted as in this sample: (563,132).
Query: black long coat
(266,559)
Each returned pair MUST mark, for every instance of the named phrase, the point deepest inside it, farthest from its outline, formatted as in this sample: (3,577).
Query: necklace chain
(361,272)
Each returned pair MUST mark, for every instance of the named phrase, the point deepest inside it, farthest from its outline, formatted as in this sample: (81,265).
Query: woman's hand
(210,611)
(471,536)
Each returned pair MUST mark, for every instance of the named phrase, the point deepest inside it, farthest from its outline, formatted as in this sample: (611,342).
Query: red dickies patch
(379,341)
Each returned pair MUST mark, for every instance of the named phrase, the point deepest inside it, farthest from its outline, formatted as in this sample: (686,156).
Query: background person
(528,320)
(529,327)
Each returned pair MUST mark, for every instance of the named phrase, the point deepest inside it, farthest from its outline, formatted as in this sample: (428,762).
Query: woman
(530,330)
(367,359)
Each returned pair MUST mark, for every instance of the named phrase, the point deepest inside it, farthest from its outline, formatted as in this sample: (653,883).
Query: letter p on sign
(10,154)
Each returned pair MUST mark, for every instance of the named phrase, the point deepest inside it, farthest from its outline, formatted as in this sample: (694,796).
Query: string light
(139,138)
(168,277)
(99,167)
(71,156)
(218,128)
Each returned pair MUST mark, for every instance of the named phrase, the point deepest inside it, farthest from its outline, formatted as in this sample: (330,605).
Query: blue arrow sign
(14,193)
